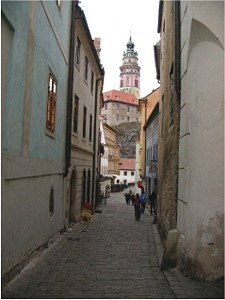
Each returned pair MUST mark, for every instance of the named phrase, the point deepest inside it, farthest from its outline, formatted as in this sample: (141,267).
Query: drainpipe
(177,49)
(95,179)
(70,90)
(177,66)
(146,100)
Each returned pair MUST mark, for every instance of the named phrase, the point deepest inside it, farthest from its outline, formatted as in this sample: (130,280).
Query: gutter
(177,71)
(70,91)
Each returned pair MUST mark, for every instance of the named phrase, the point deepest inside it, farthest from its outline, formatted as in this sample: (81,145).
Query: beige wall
(146,106)
(82,150)
(168,136)
(201,157)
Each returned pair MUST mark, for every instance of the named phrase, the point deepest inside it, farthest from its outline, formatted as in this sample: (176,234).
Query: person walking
(137,207)
(143,201)
(132,199)
(152,199)
(127,198)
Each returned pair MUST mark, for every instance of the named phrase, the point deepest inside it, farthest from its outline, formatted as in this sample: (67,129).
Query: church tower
(130,71)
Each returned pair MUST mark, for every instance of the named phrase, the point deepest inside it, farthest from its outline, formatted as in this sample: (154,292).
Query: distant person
(127,198)
(143,202)
(152,199)
(132,199)
(137,207)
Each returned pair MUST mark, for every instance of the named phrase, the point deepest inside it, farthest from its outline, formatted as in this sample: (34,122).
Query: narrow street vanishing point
(113,257)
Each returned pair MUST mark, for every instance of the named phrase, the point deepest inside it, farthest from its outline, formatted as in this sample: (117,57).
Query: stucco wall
(201,157)
(32,161)
(168,136)
(26,220)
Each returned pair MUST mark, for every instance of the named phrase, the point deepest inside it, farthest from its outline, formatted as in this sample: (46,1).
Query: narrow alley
(113,257)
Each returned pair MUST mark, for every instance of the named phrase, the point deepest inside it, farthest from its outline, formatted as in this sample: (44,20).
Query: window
(51,202)
(125,173)
(59,3)
(136,83)
(84,121)
(132,173)
(150,153)
(121,83)
(86,68)
(75,114)
(154,152)
(92,81)
(51,103)
(77,51)
(90,129)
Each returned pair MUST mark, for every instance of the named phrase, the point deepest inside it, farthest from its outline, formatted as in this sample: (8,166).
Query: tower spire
(130,71)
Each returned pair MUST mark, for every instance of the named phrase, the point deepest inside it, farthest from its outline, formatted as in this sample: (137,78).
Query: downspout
(96,115)
(177,67)
(70,91)
(146,100)
(177,49)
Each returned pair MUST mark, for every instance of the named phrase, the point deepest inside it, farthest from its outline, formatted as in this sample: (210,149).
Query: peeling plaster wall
(200,217)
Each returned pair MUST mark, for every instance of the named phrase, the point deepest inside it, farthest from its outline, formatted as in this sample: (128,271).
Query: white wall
(201,157)
(129,178)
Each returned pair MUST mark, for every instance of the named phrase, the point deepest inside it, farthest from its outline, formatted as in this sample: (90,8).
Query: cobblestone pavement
(113,257)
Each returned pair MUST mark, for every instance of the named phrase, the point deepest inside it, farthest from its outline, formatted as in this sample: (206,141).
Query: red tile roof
(120,96)
(127,164)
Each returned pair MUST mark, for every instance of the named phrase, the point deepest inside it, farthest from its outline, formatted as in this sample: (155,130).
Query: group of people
(139,202)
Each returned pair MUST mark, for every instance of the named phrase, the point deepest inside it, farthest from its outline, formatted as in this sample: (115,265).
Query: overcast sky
(113,22)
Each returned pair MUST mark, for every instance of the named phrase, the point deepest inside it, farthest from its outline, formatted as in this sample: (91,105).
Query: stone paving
(115,257)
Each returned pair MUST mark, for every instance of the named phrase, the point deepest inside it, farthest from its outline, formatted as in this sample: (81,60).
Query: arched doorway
(73,181)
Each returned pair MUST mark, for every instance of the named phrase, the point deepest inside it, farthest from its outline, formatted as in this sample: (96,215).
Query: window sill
(50,133)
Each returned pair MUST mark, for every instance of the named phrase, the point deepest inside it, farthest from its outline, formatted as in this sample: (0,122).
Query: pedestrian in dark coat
(132,198)
(127,198)
(152,199)
(137,207)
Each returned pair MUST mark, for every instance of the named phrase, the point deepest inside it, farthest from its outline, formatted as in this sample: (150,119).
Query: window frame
(51,103)
(90,128)
(92,81)
(75,114)
(86,67)
(84,122)
(77,51)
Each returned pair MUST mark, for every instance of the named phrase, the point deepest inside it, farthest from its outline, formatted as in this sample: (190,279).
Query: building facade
(84,171)
(113,149)
(120,107)
(127,171)
(146,106)
(151,161)
(35,46)
(190,209)
(200,210)
(130,71)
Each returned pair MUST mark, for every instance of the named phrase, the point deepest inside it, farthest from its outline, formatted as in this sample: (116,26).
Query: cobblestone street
(113,257)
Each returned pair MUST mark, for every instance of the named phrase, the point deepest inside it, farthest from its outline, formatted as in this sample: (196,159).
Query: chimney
(97,44)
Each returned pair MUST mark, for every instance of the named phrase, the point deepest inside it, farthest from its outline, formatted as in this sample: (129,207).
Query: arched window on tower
(136,83)
(121,83)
